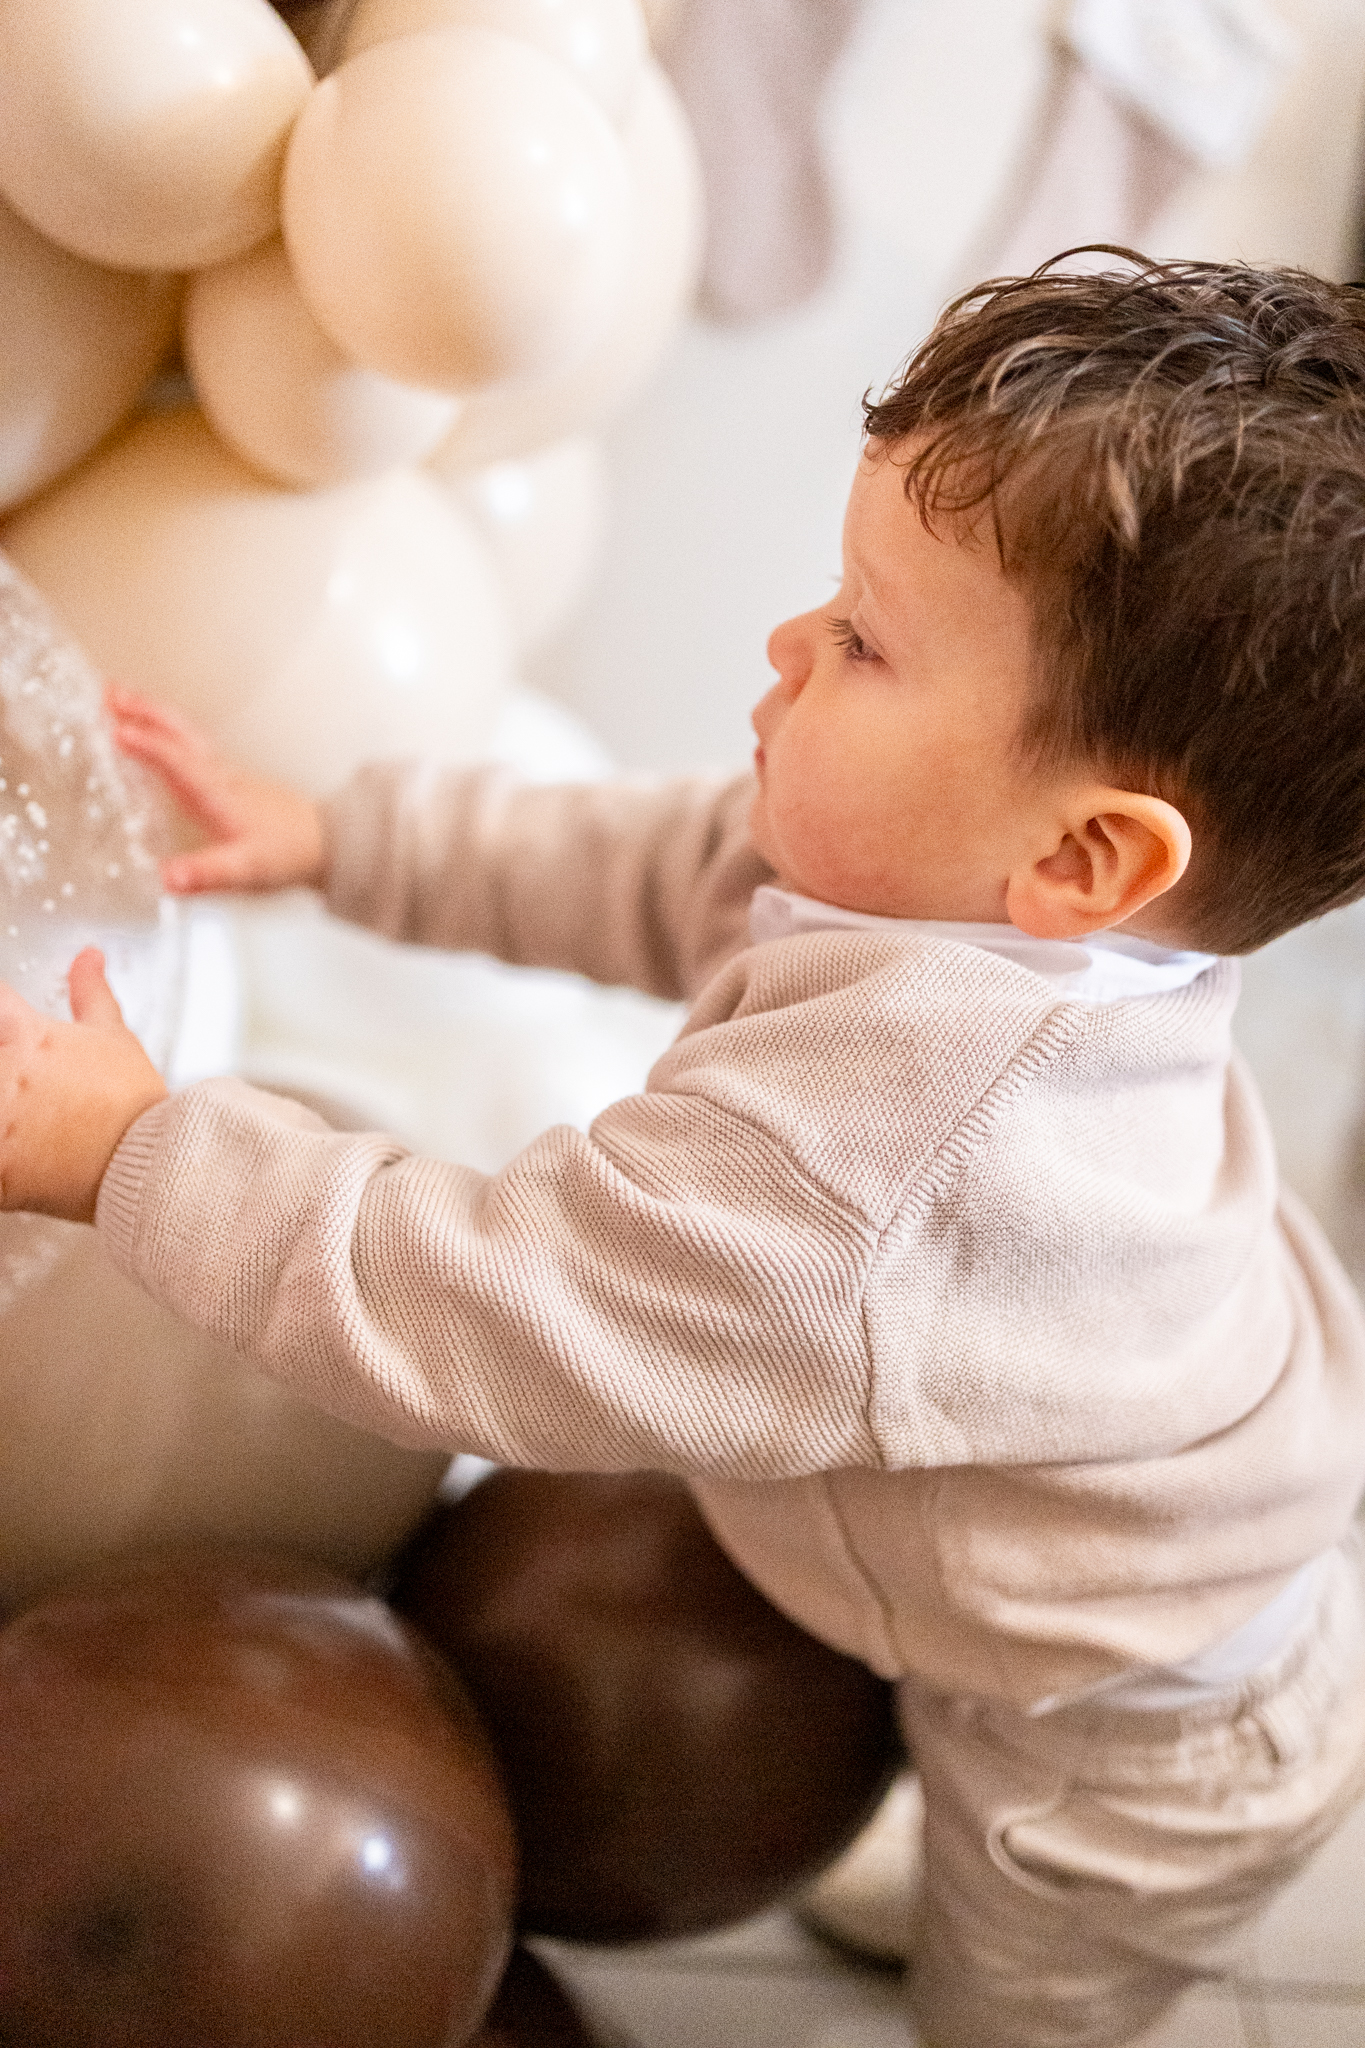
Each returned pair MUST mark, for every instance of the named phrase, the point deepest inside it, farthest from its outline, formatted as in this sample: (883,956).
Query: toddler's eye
(852,642)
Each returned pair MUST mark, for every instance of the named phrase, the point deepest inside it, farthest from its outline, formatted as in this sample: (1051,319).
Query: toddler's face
(889,779)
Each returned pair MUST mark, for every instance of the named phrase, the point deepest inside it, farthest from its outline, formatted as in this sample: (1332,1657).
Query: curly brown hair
(1173,456)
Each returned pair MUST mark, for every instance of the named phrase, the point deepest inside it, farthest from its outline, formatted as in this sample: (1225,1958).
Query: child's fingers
(192,777)
(167,751)
(212,869)
(149,730)
(92,999)
(128,708)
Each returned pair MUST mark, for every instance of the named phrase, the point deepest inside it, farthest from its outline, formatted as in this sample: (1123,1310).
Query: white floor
(770,1985)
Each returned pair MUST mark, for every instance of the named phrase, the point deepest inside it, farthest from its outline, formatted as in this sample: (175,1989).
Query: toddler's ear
(1112,852)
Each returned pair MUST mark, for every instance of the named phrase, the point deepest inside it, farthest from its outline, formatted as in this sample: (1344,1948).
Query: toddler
(944,1252)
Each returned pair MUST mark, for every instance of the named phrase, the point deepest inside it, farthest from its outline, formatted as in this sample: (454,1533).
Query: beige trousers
(1083,1868)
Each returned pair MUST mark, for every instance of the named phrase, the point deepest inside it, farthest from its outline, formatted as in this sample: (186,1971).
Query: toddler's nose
(789,651)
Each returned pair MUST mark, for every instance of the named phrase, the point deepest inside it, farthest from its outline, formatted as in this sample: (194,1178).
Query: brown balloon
(320,26)
(530,2011)
(677,1753)
(242,1807)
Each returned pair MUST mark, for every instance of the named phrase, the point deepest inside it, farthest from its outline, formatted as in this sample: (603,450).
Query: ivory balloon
(77,344)
(307,632)
(542,517)
(283,395)
(603,42)
(457,209)
(150,134)
(515,416)
(120,1426)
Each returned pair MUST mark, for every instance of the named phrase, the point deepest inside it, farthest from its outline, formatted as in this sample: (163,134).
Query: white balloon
(665,261)
(283,395)
(457,209)
(120,1427)
(542,516)
(147,134)
(77,345)
(603,42)
(307,632)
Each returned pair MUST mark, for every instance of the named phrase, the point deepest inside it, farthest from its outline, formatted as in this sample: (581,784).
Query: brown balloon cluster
(246,1804)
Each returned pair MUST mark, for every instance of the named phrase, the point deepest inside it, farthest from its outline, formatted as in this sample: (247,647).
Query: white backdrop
(727,481)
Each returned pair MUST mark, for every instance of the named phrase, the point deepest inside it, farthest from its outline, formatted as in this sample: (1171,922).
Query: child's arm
(642,884)
(661,1293)
(637,883)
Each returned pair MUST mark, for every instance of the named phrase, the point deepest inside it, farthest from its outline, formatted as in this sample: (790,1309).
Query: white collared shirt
(1103,967)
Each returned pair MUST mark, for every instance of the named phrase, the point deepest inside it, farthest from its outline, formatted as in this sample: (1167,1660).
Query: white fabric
(1083,1869)
(1104,967)
(1169,1688)
(1205,73)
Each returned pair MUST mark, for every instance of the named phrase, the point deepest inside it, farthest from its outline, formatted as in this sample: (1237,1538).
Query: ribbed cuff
(352,840)
(119,1203)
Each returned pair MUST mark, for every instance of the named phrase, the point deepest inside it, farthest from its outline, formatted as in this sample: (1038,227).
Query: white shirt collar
(1103,967)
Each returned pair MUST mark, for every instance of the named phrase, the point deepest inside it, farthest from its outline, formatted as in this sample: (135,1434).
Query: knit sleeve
(668,1291)
(638,884)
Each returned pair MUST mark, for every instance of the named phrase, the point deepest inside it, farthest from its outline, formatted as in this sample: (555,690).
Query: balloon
(79,831)
(603,42)
(677,1753)
(239,1805)
(306,632)
(283,395)
(542,517)
(530,2011)
(457,209)
(120,1426)
(77,344)
(512,418)
(151,134)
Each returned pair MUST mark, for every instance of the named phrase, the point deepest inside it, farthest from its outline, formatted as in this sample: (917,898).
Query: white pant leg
(1084,1867)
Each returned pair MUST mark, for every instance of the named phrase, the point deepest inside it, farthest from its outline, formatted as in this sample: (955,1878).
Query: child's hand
(261,834)
(68,1092)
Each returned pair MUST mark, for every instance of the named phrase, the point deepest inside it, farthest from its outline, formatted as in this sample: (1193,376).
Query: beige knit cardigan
(973,1314)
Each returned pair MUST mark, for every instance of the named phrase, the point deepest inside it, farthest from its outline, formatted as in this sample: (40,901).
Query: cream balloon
(283,395)
(120,1426)
(542,517)
(77,344)
(519,415)
(307,632)
(456,209)
(603,42)
(149,134)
